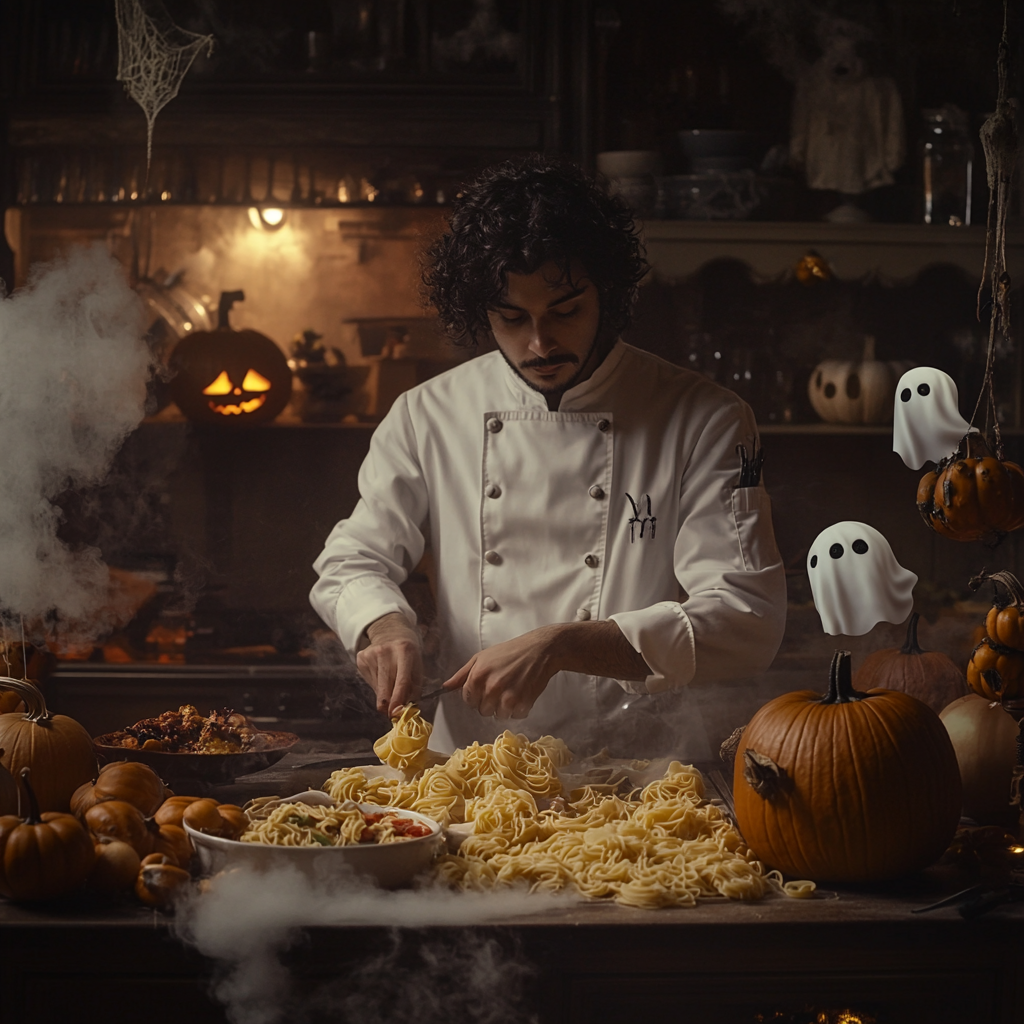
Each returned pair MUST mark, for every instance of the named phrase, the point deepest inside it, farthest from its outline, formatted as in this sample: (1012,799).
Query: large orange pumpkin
(57,749)
(930,676)
(978,497)
(849,787)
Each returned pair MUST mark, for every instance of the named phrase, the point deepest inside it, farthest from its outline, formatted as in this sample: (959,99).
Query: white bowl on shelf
(389,864)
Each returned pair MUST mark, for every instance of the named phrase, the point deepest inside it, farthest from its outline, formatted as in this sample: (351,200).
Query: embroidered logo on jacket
(643,521)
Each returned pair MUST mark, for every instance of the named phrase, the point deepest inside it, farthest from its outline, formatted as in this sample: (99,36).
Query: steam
(73,372)
(247,922)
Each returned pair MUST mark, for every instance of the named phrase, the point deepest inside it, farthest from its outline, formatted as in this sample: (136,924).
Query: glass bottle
(947,164)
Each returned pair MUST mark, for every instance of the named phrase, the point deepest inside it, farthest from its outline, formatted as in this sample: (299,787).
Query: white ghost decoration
(856,580)
(927,425)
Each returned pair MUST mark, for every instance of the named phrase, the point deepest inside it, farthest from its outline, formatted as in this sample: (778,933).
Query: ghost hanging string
(999,142)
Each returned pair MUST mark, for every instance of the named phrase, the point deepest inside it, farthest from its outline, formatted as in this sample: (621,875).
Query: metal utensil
(436,689)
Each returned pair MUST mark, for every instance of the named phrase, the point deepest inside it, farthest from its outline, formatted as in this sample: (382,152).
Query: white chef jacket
(622,504)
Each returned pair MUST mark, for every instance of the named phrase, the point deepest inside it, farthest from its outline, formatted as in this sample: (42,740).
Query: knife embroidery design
(640,520)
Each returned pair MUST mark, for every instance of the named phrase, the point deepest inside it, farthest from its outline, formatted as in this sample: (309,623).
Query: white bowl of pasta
(320,836)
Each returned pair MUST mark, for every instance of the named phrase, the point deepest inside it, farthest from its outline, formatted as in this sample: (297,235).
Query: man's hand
(505,680)
(393,663)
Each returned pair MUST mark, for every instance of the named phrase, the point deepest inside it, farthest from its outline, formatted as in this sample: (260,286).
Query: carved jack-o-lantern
(846,391)
(230,377)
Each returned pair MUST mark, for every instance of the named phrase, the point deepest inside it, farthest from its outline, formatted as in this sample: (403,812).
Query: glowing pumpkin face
(254,384)
(228,377)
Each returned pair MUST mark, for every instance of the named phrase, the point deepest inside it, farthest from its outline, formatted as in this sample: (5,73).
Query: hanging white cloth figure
(153,56)
(927,425)
(847,127)
(856,580)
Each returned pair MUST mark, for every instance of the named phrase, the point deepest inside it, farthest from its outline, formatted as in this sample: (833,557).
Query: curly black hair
(516,217)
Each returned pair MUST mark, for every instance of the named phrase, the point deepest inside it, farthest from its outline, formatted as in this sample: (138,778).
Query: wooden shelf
(678,248)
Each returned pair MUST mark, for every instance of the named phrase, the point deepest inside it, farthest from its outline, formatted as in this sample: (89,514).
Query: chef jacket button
(492,557)
(592,561)
(494,424)
(596,492)
(582,614)
(492,491)
(603,425)
(490,604)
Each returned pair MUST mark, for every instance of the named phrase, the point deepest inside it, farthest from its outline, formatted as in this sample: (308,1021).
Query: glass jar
(947,164)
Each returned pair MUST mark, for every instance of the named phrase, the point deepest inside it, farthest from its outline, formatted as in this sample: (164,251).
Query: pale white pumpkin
(985,740)
(848,391)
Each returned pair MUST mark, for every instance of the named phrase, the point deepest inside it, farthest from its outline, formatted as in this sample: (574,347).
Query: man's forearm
(596,649)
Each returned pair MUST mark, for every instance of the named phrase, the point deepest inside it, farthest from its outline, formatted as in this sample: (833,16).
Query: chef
(593,534)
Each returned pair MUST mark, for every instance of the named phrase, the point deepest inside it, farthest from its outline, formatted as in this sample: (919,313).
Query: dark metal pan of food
(184,745)
(210,768)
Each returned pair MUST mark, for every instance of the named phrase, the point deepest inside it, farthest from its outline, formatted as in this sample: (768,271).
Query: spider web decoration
(153,56)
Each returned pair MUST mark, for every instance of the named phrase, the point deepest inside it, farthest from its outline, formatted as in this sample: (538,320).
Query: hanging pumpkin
(42,856)
(132,781)
(996,672)
(1005,620)
(930,676)
(985,740)
(848,391)
(227,377)
(977,497)
(814,785)
(57,749)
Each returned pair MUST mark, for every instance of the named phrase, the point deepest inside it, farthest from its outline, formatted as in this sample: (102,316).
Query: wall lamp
(266,218)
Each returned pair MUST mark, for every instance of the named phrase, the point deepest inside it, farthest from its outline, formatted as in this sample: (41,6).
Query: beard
(583,367)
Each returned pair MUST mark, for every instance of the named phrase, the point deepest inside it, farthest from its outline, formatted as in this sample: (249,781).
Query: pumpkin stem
(910,645)
(35,706)
(840,681)
(1000,579)
(33,818)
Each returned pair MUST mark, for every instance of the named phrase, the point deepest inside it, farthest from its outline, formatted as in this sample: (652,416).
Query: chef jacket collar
(578,397)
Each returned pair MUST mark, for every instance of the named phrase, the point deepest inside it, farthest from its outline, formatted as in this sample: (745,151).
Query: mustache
(557,360)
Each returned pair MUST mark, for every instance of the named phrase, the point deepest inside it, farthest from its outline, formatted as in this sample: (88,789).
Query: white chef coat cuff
(363,601)
(662,634)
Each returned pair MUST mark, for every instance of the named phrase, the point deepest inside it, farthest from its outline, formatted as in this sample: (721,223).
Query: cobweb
(153,56)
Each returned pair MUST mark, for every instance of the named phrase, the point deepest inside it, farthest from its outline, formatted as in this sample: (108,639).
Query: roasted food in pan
(185,731)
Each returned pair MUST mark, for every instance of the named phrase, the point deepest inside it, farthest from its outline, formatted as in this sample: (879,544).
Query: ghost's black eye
(836,551)
(923,389)
(905,395)
(860,547)
(814,561)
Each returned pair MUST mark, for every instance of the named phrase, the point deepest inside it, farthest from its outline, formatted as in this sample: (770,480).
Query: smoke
(73,372)
(248,921)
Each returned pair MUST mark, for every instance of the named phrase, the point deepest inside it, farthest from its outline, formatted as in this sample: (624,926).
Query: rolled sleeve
(662,634)
(369,555)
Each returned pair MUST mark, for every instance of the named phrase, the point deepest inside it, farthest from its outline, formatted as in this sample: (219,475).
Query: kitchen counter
(586,963)
(592,963)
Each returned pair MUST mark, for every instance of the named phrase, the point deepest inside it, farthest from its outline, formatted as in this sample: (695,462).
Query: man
(581,498)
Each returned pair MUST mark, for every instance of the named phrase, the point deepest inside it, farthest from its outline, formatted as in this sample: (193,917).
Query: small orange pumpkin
(116,868)
(42,856)
(211,818)
(172,810)
(1005,620)
(813,782)
(159,880)
(977,497)
(120,820)
(172,841)
(131,781)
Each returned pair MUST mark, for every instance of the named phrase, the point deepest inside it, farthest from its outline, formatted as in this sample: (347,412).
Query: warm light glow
(221,386)
(266,218)
(255,382)
(1017,849)
(241,407)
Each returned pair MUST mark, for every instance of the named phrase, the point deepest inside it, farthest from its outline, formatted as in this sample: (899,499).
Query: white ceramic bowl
(390,864)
